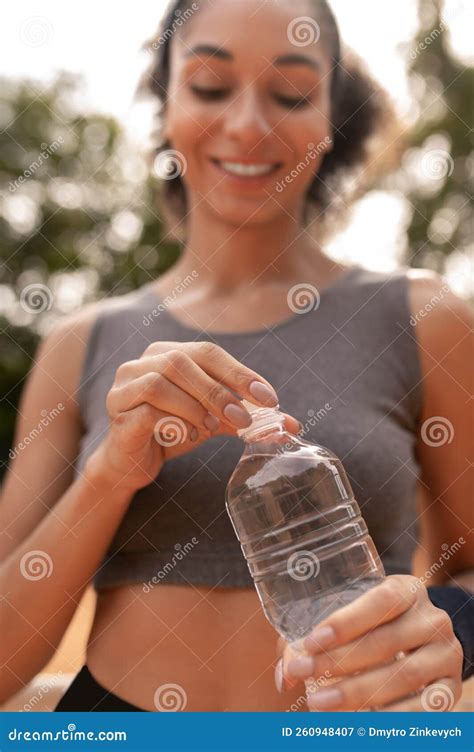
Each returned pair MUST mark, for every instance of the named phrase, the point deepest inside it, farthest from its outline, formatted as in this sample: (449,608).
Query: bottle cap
(255,408)
(261,416)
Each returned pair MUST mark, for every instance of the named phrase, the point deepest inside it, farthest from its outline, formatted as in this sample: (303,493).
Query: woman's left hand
(358,644)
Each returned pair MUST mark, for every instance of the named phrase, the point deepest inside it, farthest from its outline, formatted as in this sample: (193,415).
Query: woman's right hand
(174,397)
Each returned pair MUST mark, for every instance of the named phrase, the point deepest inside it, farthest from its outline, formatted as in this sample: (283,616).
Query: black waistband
(85,694)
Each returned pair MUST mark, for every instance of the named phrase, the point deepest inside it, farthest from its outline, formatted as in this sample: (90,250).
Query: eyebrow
(221,54)
(293,59)
(209,49)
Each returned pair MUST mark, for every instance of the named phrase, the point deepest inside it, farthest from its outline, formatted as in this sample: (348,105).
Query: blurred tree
(78,219)
(437,172)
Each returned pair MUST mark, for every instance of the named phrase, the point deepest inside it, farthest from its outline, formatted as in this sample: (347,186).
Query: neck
(227,257)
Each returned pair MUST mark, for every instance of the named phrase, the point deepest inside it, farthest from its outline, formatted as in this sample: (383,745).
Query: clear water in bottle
(299,526)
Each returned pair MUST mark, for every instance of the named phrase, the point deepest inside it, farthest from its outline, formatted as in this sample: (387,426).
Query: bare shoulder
(437,311)
(41,470)
(77,325)
(61,352)
(442,324)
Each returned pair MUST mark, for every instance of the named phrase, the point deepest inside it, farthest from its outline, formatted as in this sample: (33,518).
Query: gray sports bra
(349,370)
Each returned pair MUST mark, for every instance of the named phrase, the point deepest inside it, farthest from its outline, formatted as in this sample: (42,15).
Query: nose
(246,120)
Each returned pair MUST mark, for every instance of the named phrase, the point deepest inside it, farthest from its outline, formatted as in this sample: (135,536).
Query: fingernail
(211,422)
(300,667)
(325,698)
(279,679)
(263,393)
(237,415)
(194,434)
(320,638)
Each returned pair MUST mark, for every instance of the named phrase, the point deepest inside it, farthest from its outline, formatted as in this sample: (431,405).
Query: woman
(265,128)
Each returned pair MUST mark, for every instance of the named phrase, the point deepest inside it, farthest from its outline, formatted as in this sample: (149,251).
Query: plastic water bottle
(300,528)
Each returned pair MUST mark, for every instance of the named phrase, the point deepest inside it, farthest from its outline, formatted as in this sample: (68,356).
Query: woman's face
(247,106)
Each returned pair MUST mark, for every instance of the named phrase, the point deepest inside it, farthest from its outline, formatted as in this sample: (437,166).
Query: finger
(140,423)
(181,370)
(155,389)
(220,365)
(291,424)
(373,648)
(385,684)
(288,654)
(438,697)
(381,604)
(171,430)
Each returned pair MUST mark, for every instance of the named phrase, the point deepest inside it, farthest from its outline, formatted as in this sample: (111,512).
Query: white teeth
(237,168)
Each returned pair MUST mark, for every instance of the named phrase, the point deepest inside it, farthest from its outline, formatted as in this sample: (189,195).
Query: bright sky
(102,41)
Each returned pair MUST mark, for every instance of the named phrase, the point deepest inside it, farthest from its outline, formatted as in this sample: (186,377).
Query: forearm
(40,599)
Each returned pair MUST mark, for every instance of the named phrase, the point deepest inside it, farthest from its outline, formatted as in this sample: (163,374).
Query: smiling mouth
(247,169)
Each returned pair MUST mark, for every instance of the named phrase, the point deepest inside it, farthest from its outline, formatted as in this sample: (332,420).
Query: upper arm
(443,327)
(47,433)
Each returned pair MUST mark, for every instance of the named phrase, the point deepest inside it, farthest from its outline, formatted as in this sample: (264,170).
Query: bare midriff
(214,647)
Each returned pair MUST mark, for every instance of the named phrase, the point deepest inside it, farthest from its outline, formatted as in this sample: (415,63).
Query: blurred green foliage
(439,169)
(79,205)
(78,214)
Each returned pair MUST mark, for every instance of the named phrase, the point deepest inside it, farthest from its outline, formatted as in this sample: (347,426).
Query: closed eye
(292,102)
(209,95)
(215,94)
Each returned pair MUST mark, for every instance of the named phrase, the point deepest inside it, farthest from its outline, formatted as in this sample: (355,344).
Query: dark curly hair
(362,114)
